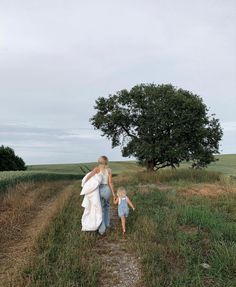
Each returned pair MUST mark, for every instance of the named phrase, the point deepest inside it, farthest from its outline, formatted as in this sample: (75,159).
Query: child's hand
(134,209)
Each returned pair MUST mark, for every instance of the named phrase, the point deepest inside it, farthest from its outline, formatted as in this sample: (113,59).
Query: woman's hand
(92,173)
(114,199)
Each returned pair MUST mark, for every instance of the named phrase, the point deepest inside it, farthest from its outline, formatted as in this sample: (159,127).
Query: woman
(105,189)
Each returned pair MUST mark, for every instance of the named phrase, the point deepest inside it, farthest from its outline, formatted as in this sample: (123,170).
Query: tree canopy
(160,125)
(9,160)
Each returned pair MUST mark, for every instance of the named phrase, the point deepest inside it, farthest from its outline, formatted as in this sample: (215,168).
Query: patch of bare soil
(209,190)
(120,268)
(18,253)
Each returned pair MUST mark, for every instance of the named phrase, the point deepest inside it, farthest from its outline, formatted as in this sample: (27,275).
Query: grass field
(182,233)
(174,233)
(64,253)
(226,164)
(10,179)
(81,168)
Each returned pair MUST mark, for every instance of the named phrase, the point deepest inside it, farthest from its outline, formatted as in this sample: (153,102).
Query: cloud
(57,58)
(27,132)
(54,145)
(229,126)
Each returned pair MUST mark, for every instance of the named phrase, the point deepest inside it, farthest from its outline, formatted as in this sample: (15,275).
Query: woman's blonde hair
(103,160)
(121,191)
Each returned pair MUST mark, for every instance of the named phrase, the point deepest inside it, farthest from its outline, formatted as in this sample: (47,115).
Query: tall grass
(213,222)
(174,234)
(65,255)
(177,175)
(10,179)
(21,204)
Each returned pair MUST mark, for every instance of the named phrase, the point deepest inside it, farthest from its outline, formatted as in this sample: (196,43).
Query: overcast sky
(57,57)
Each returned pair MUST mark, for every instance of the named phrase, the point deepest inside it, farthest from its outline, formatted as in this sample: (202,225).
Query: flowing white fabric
(92,216)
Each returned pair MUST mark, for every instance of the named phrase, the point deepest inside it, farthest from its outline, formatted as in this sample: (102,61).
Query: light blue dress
(123,208)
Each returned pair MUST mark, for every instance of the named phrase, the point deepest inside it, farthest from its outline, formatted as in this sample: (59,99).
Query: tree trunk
(173,166)
(150,165)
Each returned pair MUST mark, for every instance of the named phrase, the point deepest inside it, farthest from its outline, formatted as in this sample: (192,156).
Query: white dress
(92,216)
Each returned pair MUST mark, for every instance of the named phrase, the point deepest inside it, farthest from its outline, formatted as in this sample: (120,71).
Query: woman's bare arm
(92,173)
(130,203)
(110,183)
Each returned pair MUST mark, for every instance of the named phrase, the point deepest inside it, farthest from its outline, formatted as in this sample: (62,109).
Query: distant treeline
(9,160)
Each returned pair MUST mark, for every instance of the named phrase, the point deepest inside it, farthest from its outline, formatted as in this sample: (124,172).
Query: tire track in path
(18,255)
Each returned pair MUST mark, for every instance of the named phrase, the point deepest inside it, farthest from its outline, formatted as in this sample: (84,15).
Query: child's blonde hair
(121,191)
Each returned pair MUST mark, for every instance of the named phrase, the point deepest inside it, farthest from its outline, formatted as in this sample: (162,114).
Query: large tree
(160,125)
(9,160)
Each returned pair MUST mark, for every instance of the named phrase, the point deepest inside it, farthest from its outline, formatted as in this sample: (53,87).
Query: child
(123,210)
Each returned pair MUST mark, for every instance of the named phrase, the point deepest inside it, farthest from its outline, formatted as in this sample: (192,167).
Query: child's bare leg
(123,223)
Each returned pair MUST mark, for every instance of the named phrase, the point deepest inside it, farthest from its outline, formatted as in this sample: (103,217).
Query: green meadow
(82,168)
(181,239)
(183,231)
(225,164)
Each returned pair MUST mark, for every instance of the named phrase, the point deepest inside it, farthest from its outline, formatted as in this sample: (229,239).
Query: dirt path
(19,254)
(120,268)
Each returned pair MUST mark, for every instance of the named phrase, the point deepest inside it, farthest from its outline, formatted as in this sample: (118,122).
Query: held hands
(114,198)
